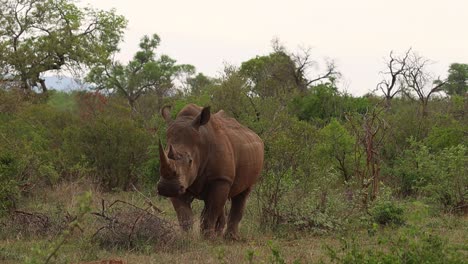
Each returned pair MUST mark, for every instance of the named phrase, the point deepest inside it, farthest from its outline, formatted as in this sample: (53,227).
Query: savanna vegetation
(379,178)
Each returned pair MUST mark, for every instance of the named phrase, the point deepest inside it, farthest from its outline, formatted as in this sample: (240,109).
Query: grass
(256,247)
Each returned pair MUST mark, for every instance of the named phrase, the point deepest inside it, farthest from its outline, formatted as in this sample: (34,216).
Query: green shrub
(388,213)
(449,185)
(441,176)
(33,137)
(8,185)
(115,147)
(446,135)
(335,147)
(324,102)
(408,249)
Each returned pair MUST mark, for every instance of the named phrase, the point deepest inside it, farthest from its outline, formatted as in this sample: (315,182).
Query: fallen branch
(126,225)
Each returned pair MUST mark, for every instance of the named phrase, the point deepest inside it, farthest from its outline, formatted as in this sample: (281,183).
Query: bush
(33,138)
(8,184)
(282,169)
(449,185)
(446,133)
(336,147)
(388,213)
(75,135)
(440,176)
(324,102)
(419,248)
(114,146)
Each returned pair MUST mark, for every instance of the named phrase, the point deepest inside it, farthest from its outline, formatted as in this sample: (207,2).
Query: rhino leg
(213,213)
(183,207)
(235,215)
(221,223)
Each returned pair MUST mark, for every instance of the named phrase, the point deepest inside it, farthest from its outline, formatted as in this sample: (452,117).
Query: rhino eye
(190,161)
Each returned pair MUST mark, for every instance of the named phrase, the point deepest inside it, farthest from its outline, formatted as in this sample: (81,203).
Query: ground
(257,245)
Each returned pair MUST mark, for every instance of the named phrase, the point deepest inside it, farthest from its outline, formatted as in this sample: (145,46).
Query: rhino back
(246,151)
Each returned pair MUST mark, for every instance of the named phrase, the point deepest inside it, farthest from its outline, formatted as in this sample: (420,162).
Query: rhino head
(179,164)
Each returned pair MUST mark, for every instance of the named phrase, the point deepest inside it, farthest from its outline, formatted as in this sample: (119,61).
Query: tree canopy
(457,81)
(144,73)
(37,36)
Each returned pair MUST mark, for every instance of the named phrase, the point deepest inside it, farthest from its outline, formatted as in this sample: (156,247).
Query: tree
(319,105)
(232,94)
(283,73)
(144,73)
(199,83)
(392,82)
(324,102)
(302,75)
(271,75)
(457,80)
(336,147)
(369,132)
(37,36)
(420,81)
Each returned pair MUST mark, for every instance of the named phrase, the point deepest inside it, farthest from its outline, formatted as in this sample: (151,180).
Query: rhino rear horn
(172,152)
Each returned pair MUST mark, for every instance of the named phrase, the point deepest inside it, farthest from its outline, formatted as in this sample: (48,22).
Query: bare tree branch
(420,81)
(391,84)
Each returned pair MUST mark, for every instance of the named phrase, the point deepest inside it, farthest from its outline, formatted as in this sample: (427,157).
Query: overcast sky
(357,34)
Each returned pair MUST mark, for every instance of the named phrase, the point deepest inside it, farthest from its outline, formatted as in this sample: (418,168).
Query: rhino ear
(166,113)
(202,118)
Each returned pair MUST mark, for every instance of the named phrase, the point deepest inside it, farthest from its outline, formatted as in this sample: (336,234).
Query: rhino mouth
(170,189)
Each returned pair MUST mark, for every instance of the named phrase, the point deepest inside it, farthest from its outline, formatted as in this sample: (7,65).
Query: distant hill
(64,83)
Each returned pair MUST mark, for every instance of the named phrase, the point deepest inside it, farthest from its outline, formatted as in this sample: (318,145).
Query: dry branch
(126,225)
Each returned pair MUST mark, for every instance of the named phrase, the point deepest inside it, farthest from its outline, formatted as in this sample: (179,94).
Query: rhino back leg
(235,215)
(183,207)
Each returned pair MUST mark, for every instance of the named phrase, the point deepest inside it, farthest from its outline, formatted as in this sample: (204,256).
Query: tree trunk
(132,103)
(376,179)
(425,111)
(43,86)
(388,103)
(25,85)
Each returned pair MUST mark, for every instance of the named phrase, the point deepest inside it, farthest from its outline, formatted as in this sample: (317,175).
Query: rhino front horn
(163,157)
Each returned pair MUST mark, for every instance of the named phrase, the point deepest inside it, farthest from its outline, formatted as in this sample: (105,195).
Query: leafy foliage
(324,102)
(441,176)
(420,248)
(114,147)
(336,146)
(272,75)
(9,190)
(144,73)
(457,81)
(388,213)
(39,36)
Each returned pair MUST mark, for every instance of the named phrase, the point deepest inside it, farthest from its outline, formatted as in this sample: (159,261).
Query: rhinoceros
(210,157)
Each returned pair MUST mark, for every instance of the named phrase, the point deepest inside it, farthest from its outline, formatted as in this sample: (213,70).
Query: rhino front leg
(213,215)
(221,223)
(183,207)
(235,215)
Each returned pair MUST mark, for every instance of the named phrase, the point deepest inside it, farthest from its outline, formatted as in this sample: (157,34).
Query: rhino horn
(172,152)
(163,158)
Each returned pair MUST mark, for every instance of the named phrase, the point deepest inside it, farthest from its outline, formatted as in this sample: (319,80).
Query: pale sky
(357,34)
